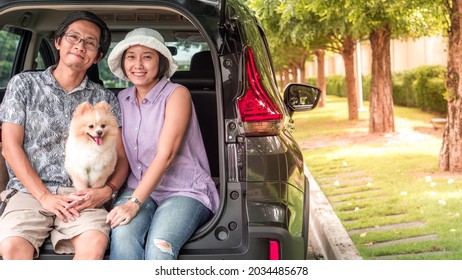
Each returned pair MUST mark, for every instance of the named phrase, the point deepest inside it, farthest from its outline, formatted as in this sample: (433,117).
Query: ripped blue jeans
(157,232)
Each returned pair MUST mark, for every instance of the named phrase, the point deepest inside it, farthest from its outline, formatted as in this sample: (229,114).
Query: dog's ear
(103,105)
(82,108)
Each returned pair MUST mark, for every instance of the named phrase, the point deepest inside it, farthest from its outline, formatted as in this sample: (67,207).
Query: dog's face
(94,123)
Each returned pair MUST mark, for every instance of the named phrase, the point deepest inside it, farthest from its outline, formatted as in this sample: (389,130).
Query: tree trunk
(302,72)
(294,73)
(286,75)
(321,77)
(281,79)
(381,118)
(451,150)
(347,53)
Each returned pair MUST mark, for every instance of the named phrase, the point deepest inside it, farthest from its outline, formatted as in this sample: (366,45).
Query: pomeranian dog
(91,153)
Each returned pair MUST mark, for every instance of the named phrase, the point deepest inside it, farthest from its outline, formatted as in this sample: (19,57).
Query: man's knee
(16,248)
(90,245)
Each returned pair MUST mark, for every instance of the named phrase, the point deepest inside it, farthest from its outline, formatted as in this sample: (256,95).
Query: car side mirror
(301,97)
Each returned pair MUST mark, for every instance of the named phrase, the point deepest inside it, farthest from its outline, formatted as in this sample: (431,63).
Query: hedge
(422,87)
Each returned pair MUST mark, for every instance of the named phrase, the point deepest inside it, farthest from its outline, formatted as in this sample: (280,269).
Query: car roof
(45,15)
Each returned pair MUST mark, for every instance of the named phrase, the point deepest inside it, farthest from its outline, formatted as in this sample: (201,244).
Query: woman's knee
(161,249)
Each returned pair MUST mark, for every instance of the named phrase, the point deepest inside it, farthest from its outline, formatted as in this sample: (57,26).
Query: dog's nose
(99,132)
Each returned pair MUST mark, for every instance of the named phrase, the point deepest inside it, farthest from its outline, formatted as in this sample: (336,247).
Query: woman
(169,192)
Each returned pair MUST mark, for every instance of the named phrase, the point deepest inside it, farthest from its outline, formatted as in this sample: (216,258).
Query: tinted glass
(8,44)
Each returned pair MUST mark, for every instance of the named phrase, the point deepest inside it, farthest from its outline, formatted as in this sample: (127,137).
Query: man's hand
(58,204)
(89,198)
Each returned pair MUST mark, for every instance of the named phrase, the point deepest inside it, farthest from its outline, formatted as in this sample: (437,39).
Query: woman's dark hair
(105,37)
(164,65)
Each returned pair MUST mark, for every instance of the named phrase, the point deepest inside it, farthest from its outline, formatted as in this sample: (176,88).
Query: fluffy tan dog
(91,147)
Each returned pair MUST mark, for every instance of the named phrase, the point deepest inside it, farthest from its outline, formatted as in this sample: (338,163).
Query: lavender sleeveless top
(189,173)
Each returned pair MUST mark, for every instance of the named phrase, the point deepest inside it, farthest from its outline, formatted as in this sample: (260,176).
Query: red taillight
(258,112)
(274,250)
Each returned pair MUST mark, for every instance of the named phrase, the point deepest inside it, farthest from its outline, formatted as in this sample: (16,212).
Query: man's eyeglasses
(89,44)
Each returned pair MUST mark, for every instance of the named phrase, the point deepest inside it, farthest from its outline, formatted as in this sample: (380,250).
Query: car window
(185,51)
(9,43)
(45,56)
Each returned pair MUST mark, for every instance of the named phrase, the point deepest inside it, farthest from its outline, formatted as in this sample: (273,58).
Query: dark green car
(245,118)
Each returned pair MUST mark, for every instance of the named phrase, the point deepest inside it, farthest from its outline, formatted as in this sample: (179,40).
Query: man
(36,113)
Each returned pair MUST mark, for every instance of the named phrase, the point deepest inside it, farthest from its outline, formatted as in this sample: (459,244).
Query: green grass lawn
(386,189)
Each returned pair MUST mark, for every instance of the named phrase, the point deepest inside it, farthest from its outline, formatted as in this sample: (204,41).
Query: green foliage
(429,88)
(8,43)
(311,81)
(321,24)
(403,90)
(405,18)
(422,87)
(289,25)
(335,85)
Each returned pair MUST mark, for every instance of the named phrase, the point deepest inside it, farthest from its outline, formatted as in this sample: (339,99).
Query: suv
(225,62)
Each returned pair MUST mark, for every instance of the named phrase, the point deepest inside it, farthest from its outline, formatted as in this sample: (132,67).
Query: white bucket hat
(141,36)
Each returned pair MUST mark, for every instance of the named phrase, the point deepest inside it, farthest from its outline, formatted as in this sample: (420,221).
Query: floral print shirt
(36,101)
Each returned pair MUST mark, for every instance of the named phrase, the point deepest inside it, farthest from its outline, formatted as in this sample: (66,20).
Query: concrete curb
(327,236)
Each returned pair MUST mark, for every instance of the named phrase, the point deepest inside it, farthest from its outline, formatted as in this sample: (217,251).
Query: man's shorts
(25,217)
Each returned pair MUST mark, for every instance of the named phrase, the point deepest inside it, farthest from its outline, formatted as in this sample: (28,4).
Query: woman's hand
(122,214)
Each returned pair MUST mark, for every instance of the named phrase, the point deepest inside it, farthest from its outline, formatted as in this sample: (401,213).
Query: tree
(321,76)
(451,150)
(342,22)
(330,29)
(296,24)
(280,35)
(385,20)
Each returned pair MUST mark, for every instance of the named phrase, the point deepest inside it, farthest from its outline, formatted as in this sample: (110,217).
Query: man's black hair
(105,37)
